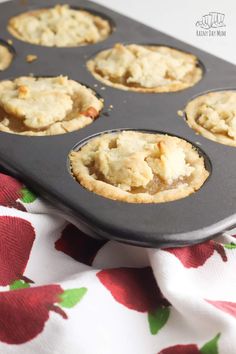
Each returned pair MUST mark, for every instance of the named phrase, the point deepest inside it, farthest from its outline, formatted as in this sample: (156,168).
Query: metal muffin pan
(42,162)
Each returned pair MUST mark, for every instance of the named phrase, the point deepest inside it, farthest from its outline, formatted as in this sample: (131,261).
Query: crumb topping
(140,165)
(149,67)
(47,105)
(214,116)
(60,26)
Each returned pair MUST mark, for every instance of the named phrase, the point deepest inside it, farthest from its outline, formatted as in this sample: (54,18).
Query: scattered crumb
(111,106)
(9,41)
(95,85)
(23,92)
(103,88)
(180,113)
(31,57)
(197,143)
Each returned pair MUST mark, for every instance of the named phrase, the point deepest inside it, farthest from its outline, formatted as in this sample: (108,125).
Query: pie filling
(59,26)
(46,106)
(215,113)
(137,163)
(146,66)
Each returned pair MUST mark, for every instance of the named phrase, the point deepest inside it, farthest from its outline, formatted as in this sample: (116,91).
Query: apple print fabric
(65,293)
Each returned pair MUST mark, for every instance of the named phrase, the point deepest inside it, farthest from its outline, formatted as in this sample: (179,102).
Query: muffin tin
(42,162)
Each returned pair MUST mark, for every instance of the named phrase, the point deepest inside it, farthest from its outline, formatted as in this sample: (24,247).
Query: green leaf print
(211,347)
(71,297)
(158,319)
(19,284)
(230,246)
(27,196)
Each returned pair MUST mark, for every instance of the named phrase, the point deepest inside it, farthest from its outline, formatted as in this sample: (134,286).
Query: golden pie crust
(137,167)
(145,68)
(5,57)
(59,26)
(213,115)
(46,106)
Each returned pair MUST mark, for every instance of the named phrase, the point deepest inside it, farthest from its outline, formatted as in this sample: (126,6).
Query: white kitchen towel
(62,292)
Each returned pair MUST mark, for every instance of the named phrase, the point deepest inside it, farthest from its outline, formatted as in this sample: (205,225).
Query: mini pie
(137,167)
(46,106)
(145,68)
(214,116)
(59,26)
(5,57)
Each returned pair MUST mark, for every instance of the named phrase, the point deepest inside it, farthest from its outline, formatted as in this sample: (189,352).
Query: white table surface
(178,18)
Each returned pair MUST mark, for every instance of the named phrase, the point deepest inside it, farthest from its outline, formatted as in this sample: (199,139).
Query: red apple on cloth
(16,240)
(77,245)
(13,191)
(24,312)
(10,192)
(226,306)
(181,349)
(210,347)
(196,255)
(136,289)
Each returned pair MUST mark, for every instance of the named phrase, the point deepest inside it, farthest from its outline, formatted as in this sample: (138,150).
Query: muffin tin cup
(74,7)
(184,114)
(131,89)
(42,162)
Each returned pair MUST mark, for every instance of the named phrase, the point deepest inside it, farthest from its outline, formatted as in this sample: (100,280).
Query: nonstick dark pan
(42,162)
